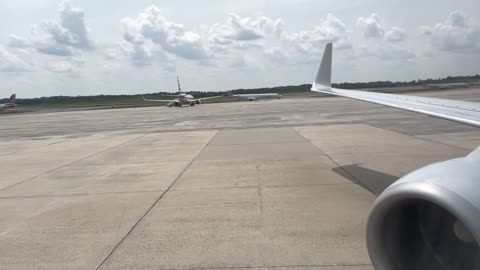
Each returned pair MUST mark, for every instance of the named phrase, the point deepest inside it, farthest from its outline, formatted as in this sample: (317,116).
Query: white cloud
(331,29)
(10,62)
(426,30)
(387,53)
(396,34)
(371,26)
(150,32)
(458,33)
(59,66)
(64,37)
(151,38)
(18,42)
(237,28)
(141,53)
(266,39)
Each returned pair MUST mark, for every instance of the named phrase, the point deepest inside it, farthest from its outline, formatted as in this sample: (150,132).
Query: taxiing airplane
(447,85)
(181,99)
(430,218)
(251,97)
(9,105)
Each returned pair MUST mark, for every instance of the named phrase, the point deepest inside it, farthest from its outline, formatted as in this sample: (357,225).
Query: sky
(90,47)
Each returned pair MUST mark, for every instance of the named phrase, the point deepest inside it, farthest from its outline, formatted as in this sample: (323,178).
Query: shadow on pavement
(374,181)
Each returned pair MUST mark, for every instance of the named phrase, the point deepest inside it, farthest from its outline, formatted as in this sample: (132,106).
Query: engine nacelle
(429,219)
(198,101)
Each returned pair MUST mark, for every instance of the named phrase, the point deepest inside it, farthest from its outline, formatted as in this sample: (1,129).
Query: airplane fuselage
(447,85)
(184,99)
(7,106)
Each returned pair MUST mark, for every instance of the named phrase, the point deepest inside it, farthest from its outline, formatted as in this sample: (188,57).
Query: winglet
(323,81)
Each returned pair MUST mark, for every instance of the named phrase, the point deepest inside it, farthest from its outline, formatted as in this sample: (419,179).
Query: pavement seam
(154,204)
(239,144)
(265,186)
(441,143)
(66,165)
(271,266)
(422,138)
(357,181)
(33,148)
(78,194)
(127,163)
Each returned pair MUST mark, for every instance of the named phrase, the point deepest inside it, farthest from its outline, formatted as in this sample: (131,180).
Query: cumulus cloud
(266,37)
(18,42)
(59,66)
(237,28)
(387,53)
(141,53)
(458,33)
(276,54)
(395,53)
(371,26)
(112,53)
(149,32)
(331,29)
(151,38)
(10,62)
(396,34)
(65,36)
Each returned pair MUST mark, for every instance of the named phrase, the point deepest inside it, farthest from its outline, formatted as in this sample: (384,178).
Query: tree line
(292,89)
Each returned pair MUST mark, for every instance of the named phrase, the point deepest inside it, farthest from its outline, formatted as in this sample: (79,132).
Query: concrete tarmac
(281,184)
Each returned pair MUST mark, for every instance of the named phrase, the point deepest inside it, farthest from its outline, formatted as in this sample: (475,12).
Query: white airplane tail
(13,99)
(323,81)
(12,103)
(179,88)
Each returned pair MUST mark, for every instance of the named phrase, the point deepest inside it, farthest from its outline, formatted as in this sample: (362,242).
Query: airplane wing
(460,111)
(168,101)
(158,100)
(209,98)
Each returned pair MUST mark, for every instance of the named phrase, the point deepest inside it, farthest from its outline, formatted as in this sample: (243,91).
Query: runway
(281,184)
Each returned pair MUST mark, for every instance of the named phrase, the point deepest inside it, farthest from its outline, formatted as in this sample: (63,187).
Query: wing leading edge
(206,98)
(460,111)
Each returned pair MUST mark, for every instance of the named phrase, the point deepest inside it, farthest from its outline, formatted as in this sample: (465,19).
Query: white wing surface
(461,111)
(205,98)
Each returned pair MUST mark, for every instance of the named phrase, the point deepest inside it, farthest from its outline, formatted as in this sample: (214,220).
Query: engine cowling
(429,219)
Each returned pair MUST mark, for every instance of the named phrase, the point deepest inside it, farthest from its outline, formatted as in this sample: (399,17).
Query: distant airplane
(448,85)
(181,98)
(9,105)
(430,218)
(251,97)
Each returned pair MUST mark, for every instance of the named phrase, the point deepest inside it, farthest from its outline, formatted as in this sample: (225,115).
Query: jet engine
(198,101)
(429,219)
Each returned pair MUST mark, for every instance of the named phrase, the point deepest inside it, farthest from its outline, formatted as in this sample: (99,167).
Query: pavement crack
(68,164)
(355,179)
(154,204)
